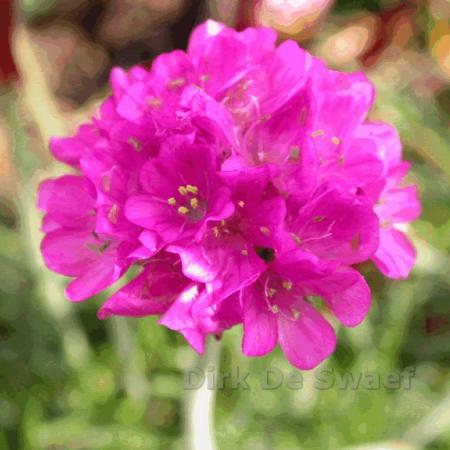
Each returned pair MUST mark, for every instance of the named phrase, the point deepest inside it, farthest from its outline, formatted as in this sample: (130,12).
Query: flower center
(188,203)
(275,289)
(242,104)
(267,254)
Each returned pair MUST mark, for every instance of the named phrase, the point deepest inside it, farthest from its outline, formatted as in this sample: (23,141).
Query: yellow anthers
(135,143)
(194,203)
(296,238)
(241,203)
(177,82)
(182,190)
(183,210)
(318,219)
(317,133)
(204,77)
(172,201)
(244,252)
(274,309)
(271,292)
(192,189)
(302,116)
(264,230)
(104,246)
(287,285)
(335,140)
(295,152)
(113,213)
(216,231)
(154,102)
(295,313)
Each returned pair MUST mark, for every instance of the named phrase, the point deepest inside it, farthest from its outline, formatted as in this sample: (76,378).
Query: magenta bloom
(245,181)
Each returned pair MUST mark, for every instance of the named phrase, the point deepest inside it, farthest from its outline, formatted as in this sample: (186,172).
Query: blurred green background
(70,381)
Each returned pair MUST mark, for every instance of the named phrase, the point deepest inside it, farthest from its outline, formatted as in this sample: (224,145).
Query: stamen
(244,252)
(135,143)
(295,152)
(335,140)
(177,82)
(287,285)
(194,203)
(302,116)
(155,103)
(216,231)
(318,219)
(295,313)
(192,189)
(104,246)
(183,210)
(264,230)
(241,203)
(113,213)
(341,160)
(271,292)
(182,190)
(317,133)
(274,309)
(172,201)
(296,238)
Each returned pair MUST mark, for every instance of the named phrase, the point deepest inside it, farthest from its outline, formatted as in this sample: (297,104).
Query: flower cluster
(245,181)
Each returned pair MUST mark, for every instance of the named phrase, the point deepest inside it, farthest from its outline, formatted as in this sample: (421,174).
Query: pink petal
(386,139)
(305,337)
(337,225)
(260,324)
(69,200)
(69,252)
(201,37)
(151,292)
(343,101)
(395,255)
(399,204)
(154,215)
(347,294)
(98,276)
(179,318)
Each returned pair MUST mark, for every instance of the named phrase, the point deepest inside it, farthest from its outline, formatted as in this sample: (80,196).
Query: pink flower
(276,307)
(395,204)
(245,180)
(228,254)
(183,193)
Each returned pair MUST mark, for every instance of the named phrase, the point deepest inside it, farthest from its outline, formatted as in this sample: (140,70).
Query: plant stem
(199,411)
